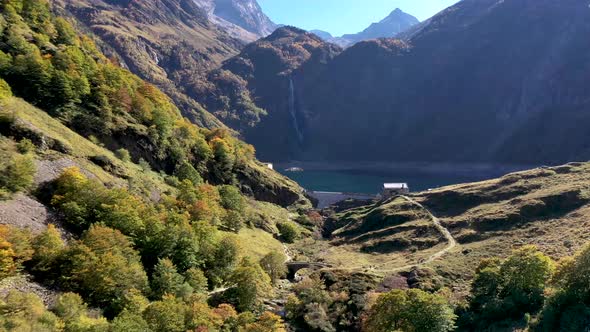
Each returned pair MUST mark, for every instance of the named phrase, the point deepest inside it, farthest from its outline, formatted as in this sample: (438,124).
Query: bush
(26,312)
(123,154)
(507,290)
(18,173)
(186,171)
(231,198)
(233,221)
(145,166)
(410,310)
(288,231)
(25,146)
(274,265)
(5,90)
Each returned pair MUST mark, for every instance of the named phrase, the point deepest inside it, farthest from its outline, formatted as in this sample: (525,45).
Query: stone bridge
(294,267)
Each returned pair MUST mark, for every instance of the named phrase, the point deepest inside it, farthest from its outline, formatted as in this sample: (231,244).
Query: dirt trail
(451,243)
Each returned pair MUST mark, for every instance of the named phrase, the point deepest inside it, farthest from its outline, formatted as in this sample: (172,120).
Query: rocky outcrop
(244,20)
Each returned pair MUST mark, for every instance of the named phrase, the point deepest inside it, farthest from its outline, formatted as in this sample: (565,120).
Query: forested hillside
(116,213)
(170,43)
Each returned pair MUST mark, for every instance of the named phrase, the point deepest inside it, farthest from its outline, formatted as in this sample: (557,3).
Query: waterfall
(293,110)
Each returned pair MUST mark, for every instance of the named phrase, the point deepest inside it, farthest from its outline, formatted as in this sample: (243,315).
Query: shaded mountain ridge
(518,87)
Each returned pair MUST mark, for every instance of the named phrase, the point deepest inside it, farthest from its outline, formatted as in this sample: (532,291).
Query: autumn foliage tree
(410,310)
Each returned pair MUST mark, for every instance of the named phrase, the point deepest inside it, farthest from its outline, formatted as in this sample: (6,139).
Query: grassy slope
(80,148)
(255,242)
(548,207)
(378,237)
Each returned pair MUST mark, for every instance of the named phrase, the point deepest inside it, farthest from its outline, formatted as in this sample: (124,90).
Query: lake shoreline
(480,169)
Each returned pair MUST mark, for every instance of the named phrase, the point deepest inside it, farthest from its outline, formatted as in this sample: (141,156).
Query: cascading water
(293,110)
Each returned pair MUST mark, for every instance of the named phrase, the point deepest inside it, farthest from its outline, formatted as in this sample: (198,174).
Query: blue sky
(345,16)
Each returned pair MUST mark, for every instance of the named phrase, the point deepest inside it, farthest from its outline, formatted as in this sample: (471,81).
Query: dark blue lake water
(371,182)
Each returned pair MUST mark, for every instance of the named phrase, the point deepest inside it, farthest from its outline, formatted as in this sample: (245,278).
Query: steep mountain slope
(396,22)
(244,20)
(64,73)
(170,43)
(508,84)
(264,73)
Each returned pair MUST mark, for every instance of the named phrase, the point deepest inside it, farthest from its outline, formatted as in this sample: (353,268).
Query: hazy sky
(345,16)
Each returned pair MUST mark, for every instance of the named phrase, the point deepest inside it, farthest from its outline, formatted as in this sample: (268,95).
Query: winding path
(451,243)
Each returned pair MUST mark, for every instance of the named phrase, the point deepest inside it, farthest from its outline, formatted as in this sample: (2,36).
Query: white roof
(395,185)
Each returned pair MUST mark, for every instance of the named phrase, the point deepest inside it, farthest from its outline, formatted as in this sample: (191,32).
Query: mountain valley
(133,196)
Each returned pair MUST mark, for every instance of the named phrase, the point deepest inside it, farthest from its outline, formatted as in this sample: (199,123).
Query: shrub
(410,310)
(274,265)
(233,221)
(288,231)
(231,198)
(145,166)
(123,154)
(5,90)
(18,173)
(251,285)
(25,146)
(505,290)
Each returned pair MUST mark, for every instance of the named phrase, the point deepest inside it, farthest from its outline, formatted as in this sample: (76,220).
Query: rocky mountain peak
(242,18)
(395,23)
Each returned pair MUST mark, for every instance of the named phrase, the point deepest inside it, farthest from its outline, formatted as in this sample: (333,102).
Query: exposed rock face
(25,212)
(395,23)
(244,19)
(483,81)
(247,14)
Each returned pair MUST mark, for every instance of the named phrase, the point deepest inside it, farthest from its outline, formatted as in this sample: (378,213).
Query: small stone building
(394,189)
